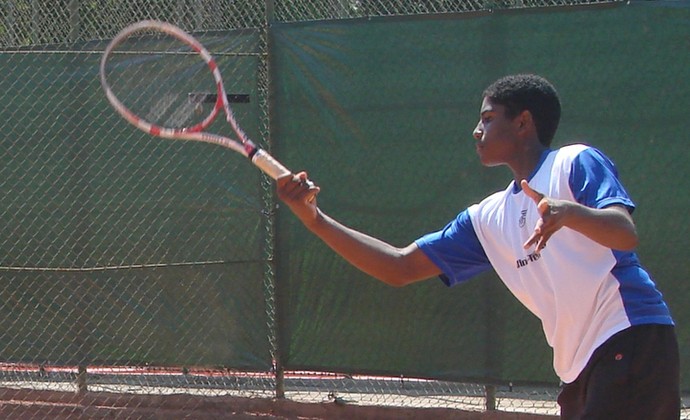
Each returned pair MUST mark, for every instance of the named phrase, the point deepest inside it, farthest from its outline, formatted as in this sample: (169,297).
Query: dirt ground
(25,404)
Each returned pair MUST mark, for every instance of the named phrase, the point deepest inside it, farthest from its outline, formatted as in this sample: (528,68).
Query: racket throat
(251,149)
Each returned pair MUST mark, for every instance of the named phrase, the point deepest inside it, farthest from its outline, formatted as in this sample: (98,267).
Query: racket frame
(243,145)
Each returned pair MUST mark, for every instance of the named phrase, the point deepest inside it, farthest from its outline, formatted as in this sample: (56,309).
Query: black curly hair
(529,92)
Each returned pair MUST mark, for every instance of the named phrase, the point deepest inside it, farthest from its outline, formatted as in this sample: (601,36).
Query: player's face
(496,135)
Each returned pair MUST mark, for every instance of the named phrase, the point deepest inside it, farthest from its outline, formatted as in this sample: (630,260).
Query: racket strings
(160,79)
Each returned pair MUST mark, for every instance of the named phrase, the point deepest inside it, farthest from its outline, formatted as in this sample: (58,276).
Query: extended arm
(392,265)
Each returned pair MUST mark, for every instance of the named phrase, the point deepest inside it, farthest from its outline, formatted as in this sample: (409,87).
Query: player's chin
(490,163)
(484,157)
(486,160)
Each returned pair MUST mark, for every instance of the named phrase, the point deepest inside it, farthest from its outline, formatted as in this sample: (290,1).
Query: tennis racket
(164,82)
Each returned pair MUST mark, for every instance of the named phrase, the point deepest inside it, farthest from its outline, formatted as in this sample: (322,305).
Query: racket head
(158,77)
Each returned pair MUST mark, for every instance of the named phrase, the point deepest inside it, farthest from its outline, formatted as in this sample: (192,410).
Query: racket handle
(269,165)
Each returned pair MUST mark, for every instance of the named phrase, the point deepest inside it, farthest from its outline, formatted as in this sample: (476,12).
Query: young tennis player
(561,238)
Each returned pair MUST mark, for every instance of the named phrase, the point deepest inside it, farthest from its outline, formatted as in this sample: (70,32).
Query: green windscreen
(381,112)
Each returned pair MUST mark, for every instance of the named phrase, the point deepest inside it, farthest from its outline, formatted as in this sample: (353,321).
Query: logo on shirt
(523,218)
(522,262)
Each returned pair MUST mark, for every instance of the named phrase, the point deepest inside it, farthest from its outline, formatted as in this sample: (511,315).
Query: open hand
(552,213)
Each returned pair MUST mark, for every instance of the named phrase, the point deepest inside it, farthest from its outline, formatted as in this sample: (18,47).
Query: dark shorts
(634,375)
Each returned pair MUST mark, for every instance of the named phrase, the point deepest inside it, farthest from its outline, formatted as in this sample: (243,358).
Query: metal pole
(490,391)
(74,20)
(82,386)
(276,329)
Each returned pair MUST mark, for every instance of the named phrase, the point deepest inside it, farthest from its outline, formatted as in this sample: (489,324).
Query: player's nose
(478,132)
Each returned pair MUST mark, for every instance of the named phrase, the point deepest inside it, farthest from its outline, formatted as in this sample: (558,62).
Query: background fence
(132,265)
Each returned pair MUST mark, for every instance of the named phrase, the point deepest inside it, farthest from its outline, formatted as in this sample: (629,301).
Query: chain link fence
(116,255)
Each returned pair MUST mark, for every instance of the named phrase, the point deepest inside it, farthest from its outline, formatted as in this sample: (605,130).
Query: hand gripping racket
(157,77)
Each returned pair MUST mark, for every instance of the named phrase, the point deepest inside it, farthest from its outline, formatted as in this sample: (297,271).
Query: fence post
(490,393)
(74,20)
(82,386)
(277,338)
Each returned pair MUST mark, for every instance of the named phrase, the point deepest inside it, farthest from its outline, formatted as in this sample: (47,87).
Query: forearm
(388,263)
(611,227)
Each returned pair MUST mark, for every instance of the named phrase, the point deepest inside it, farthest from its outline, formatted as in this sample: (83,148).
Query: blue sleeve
(594,181)
(456,250)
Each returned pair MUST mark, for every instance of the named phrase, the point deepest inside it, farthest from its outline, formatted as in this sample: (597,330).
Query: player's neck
(525,164)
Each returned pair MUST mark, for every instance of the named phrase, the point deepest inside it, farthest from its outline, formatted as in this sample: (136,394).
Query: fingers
(538,240)
(297,187)
(533,194)
(538,237)
(540,234)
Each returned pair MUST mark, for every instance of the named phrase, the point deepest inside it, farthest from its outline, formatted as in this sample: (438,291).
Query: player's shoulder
(584,154)
(572,150)
(566,155)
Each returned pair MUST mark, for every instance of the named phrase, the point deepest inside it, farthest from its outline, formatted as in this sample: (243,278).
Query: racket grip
(269,165)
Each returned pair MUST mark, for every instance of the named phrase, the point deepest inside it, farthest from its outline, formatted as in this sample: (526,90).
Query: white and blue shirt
(582,292)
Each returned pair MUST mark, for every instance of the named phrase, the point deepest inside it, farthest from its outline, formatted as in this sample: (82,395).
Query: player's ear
(525,119)
(525,123)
